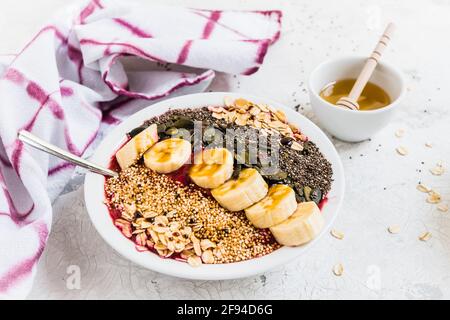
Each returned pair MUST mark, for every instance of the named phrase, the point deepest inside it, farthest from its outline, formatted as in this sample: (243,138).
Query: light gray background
(380,184)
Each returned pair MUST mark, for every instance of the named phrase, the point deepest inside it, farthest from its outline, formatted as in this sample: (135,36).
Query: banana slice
(135,148)
(303,226)
(168,155)
(212,167)
(276,207)
(236,195)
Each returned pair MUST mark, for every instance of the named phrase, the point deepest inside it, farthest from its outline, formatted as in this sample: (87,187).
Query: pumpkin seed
(136,131)
(307,192)
(184,123)
(171,131)
(316,195)
(287,141)
(278,176)
(236,171)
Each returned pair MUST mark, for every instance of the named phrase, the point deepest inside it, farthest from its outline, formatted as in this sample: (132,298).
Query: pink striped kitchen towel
(76,74)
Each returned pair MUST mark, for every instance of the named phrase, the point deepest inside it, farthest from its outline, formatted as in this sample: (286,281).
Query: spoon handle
(42,145)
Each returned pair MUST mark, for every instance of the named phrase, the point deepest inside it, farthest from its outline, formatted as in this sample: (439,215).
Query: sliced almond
(194,261)
(149,214)
(196,243)
(338,270)
(276,124)
(281,116)
(296,146)
(241,103)
(216,109)
(394,229)
(160,246)
(337,234)
(257,124)
(428,145)
(402,151)
(179,246)
(162,252)
(162,220)
(293,127)
(425,236)
(208,257)
(171,245)
(229,101)
(154,235)
(231,116)
(263,107)
(160,229)
(186,254)
(218,116)
(240,121)
(254,111)
(206,244)
(271,109)
(442,207)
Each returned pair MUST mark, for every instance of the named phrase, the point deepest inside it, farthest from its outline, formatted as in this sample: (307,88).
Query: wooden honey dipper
(351,102)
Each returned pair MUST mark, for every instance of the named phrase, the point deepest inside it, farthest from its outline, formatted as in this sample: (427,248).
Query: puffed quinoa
(182,221)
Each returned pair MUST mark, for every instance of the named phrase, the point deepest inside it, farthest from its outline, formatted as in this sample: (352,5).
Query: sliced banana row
(275,208)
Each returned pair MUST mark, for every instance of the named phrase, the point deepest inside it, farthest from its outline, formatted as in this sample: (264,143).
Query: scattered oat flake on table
(399,133)
(338,270)
(394,229)
(337,234)
(438,170)
(428,145)
(423,188)
(442,207)
(425,236)
(402,151)
(434,197)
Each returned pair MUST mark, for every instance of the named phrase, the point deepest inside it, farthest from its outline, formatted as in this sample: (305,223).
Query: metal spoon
(42,145)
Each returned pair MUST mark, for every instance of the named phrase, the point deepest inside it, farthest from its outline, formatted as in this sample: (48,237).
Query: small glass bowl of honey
(334,79)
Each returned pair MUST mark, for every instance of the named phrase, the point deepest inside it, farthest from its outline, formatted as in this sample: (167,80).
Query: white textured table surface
(380,184)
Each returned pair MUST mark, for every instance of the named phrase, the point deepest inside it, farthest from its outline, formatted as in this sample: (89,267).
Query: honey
(373,97)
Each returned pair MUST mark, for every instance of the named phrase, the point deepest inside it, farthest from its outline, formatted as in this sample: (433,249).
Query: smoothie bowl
(215,186)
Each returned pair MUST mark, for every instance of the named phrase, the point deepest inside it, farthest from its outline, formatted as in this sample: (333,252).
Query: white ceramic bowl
(98,212)
(349,125)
